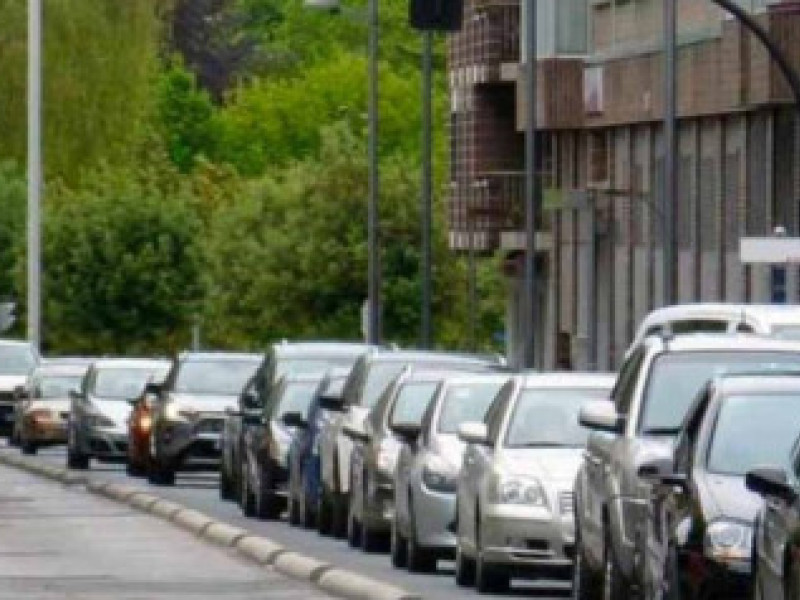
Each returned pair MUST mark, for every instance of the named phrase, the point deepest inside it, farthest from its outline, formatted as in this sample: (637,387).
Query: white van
(774,320)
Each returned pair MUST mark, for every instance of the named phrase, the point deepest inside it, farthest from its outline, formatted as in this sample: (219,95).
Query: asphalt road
(200,491)
(58,543)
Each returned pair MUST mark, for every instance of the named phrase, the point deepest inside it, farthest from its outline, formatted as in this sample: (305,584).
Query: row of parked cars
(678,477)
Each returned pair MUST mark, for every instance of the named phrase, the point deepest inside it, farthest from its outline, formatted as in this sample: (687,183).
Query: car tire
(267,503)
(353,530)
(614,586)
(672,587)
(420,559)
(489,578)
(294,512)
(398,546)
(465,568)
(225,485)
(586,585)
(247,498)
(28,447)
(161,473)
(134,469)
(307,515)
(339,517)
(77,460)
(324,513)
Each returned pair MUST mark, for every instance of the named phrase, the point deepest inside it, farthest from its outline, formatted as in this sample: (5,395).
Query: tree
(12,224)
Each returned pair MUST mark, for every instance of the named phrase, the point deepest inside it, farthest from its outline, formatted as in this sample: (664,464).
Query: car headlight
(438,480)
(515,489)
(728,541)
(145,422)
(98,420)
(386,457)
(176,412)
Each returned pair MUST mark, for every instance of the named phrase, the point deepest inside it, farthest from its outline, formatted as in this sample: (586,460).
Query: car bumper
(6,416)
(191,445)
(44,432)
(434,514)
(718,581)
(107,445)
(529,538)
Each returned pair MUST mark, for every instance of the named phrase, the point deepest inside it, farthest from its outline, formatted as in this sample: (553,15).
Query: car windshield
(786,332)
(412,401)
(55,386)
(773,417)
(16,359)
(296,397)
(466,403)
(549,418)
(675,380)
(223,377)
(311,365)
(124,383)
(379,376)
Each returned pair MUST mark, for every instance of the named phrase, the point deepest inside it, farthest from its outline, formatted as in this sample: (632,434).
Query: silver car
(99,412)
(427,470)
(189,413)
(514,495)
(17,359)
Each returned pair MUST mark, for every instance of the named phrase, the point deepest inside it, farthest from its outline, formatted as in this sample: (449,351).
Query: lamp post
(34,169)
(373,217)
(426,203)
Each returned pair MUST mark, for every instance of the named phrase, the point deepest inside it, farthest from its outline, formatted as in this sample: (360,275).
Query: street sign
(7,316)
(769,250)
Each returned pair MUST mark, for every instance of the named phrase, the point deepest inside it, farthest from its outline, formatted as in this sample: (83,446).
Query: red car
(139,428)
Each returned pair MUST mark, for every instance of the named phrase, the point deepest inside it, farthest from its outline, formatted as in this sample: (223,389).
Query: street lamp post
(426,202)
(34,169)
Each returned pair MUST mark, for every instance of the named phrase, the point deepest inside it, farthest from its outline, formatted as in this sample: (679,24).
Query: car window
(786,332)
(625,386)
(686,326)
(676,378)
(16,359)
(412,401)
(466,403)
(55,386)
(496,412)
(687,442)
(773,417)
(379,376)
(296,396)
(224,377)
(549,418)
(123,383)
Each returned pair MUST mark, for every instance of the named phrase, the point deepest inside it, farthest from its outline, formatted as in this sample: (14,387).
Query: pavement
(60,542)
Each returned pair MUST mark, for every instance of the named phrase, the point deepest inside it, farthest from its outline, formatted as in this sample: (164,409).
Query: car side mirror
(252,419)
(407,432)
(474,433)
(768,481)
(294,419)
(250,401)
(153,389)
(21,393)
(356,433)
(601,415)
(75,395)
(331,403)
(661,471)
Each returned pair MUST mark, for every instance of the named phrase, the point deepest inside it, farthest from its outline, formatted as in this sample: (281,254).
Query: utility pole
(670,136)
(426,207)
(373,233)
(530,317)
(34,169)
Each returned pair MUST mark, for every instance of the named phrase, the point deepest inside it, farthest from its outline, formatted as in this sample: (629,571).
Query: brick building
(599,110)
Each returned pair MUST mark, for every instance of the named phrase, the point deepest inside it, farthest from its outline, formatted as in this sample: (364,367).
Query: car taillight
(145,422)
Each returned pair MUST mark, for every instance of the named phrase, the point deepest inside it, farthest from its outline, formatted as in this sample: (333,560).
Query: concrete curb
(261,550)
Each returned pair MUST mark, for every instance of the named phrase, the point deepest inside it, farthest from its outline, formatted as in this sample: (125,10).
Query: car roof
(56,369)
(134,363)
(10,342)
(757,383)
(567,380)
(316,377)
(419,373)
(766,312)
(322,348)
(715,341)
(467,378)
(420,356)
(219,356)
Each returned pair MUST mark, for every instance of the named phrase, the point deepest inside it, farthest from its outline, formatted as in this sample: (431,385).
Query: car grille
(64,416)
(210,426)
(565,503)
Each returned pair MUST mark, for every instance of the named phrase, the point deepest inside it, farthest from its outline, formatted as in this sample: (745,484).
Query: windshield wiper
(662,431)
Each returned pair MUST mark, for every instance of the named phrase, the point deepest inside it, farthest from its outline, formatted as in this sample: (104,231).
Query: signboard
(769,250)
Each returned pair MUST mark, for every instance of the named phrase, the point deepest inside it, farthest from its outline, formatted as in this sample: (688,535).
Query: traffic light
(436,15)
(7,315)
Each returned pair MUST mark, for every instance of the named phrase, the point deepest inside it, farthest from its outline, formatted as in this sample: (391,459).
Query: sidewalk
(57,543)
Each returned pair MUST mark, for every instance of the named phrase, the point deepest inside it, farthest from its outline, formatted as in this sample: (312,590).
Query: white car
(515,492)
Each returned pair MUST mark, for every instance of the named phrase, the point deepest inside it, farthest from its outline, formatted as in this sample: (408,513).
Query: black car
(280,359)
(698,536)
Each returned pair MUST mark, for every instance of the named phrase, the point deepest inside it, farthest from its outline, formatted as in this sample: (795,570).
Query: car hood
(553,464)
(450,449)
(56,404)
(727,496)
(117,410)
(206,403)
(9,382)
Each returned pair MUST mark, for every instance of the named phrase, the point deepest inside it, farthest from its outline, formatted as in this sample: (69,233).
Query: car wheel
(307,514)
(267,504)
(792,580)
(324,526)
(353,527)
(248,500)
(339,516)
(671,585)
(161,473)
(225,485)
(420,559)
(28,447)
(398,546)
(614,587)
(465,568)
(76,459)
(489,578)
(134,469)
(294,512)
(586,585)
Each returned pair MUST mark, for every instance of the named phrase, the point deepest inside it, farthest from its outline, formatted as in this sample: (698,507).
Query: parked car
(17,360)
(189,411)
(700,526)
(773,320)
(44,408)
(265,455)
(514,514)
(776,541)
(304,461)
(654,390)
(140,428)
(371,375)
(100,410)
(280,359)
(428,467)
(377,448)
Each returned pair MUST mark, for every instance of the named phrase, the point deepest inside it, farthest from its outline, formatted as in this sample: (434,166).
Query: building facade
(599,110)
